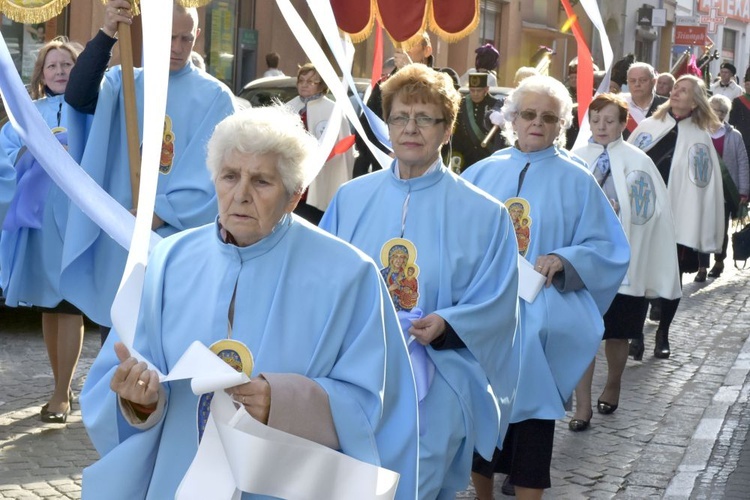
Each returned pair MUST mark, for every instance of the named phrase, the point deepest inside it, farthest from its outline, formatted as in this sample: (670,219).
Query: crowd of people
(434,317)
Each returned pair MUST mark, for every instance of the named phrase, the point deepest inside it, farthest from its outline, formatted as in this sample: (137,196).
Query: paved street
(680,430)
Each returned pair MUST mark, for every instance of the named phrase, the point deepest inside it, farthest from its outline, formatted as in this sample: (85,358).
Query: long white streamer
(238,450)
(592,10)
(86,194)
(326,71)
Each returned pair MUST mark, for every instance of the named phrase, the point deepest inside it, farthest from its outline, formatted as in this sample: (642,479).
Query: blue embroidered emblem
(642,197)
(643,140)
(700,168)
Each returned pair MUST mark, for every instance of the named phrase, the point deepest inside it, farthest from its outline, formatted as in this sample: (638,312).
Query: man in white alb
(727,84)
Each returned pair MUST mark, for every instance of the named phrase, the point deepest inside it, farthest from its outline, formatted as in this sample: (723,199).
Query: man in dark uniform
(473,124)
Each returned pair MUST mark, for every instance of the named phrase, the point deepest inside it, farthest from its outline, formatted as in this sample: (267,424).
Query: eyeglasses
(547,118)
(421,120)
(308,82)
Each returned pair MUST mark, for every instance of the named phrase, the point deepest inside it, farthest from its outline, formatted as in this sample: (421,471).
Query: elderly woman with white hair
(568,232)
(330,362)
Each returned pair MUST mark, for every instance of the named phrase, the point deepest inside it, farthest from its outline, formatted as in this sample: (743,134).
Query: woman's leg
(69,345)
(49,332)
(668,311)
(616,351)
(583,394)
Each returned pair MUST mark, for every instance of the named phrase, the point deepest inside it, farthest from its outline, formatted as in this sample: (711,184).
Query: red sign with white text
(690,35)
(733,9)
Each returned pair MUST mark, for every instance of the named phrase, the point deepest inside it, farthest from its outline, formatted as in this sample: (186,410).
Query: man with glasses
(642,99)
(473,124)
(316,109)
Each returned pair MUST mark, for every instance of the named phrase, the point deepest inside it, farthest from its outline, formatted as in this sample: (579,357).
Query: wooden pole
(131,115)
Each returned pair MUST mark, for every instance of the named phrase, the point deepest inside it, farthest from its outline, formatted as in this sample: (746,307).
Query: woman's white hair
(272,130)
(540,85)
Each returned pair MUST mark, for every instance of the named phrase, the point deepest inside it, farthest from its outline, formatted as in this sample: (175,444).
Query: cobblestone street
(680,430)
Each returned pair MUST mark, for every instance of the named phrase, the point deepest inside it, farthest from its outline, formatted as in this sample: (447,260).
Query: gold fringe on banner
(32,12)
(415,38)
(453,37)
(193,3)
(365,33)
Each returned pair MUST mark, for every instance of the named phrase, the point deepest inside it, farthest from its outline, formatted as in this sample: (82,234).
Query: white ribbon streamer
(592,10)
(86,194)
(326,71)
(237,449)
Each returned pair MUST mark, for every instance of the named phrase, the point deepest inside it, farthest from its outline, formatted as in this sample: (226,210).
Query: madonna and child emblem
(400,272)
(519,210)
(235,354)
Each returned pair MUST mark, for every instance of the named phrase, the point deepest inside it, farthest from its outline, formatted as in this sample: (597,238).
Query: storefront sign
(733,9)
(690,35)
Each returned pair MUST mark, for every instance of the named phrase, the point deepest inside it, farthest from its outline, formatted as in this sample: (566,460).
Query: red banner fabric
(585,75)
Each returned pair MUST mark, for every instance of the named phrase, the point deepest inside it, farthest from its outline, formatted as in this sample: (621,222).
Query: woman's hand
(133,381)
(116,11)
(255,396)
(548,265)
(427,329)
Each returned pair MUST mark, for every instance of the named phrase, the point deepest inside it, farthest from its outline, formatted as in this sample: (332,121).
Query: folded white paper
(530,282)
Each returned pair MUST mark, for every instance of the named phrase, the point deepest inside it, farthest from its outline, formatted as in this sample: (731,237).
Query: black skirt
(625,317)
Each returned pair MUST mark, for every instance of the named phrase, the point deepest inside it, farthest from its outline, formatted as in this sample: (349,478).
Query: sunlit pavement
(679,432)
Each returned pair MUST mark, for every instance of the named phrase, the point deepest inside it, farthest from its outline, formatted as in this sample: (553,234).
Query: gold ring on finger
(141,383)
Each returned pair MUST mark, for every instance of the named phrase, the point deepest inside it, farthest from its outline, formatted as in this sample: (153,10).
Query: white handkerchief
(529,281)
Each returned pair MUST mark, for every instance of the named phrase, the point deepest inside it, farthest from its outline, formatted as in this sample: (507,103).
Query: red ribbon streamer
(585,74)
(342,146)
(377,59)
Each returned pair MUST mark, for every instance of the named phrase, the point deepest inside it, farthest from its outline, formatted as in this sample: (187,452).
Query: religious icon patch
(235,354)
(519,211)
(167,147)
(643,140)
(642,197)
(400,272)
(699,161)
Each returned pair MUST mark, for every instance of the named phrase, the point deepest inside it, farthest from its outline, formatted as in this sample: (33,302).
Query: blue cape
(305,303)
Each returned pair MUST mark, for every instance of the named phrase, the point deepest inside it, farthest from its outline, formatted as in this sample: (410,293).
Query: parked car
(263,91)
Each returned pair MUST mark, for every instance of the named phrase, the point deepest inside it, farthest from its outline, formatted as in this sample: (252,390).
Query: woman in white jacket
(638,195)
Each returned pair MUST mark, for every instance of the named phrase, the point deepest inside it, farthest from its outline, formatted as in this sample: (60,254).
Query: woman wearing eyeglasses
(457,247)
(316,109)
(575,242)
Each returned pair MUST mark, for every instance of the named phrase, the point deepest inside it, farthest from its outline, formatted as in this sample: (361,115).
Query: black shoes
(507,488)
(605,408)
(636,349)
(716,271)
(54,417)
(661,346)
(579,425)
(701,276)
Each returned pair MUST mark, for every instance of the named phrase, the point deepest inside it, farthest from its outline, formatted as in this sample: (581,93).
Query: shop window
(24,42)
(221,40)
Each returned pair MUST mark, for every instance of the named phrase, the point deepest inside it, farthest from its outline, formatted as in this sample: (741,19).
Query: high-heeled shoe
(636,349)
(605,408)
(579,425)
(661,346)
(54,417)
(45,406)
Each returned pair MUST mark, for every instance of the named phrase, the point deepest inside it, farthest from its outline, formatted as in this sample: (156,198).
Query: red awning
(405,20)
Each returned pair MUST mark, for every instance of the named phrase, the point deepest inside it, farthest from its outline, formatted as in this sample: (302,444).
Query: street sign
(686,21)
(690,35)
(713,20)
